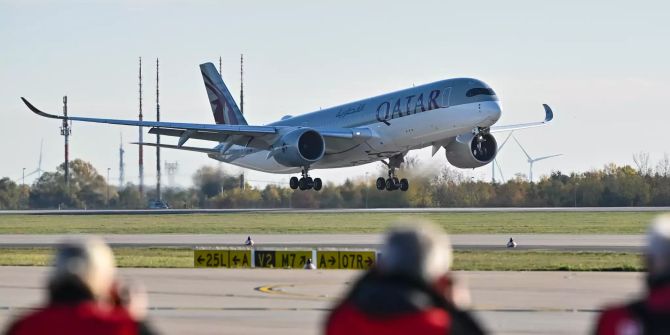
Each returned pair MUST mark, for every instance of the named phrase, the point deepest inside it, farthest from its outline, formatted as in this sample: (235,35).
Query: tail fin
(223,105)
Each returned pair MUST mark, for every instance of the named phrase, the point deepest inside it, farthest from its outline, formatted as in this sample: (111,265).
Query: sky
(601,65)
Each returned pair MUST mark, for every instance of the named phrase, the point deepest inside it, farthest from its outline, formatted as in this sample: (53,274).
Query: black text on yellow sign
(282,258)
(355,260)
(222,258)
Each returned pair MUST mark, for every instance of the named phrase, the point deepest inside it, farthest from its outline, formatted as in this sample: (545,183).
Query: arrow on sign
(331,260)
(235,260)
(200,259)
(303,260)
(369,261)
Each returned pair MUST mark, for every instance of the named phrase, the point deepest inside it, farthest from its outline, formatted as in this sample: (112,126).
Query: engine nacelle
(300,147)
(468,151)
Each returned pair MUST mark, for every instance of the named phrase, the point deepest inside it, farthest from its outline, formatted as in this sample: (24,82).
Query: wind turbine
(495,161)
(531,160)
(39,163)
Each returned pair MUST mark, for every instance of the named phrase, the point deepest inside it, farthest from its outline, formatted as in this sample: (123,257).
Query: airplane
(455,114)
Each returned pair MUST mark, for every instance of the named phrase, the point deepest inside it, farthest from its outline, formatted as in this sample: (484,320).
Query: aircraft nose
(494,111)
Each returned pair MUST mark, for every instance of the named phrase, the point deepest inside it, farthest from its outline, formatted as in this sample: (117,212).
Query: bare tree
(663,166)
(641,160)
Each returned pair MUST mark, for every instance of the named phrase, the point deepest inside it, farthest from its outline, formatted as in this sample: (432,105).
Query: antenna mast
(141,158)
(158,140)
(65,130)
(122,165)
(242,83)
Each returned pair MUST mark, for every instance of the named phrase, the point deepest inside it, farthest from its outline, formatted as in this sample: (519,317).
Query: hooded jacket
(392,304)
(73,311)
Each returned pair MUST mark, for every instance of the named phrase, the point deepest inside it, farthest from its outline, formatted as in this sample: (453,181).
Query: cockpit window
(478,91)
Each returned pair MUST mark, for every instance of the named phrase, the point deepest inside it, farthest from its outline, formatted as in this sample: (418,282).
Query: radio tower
(158,141)
(65,130)
(242,83)
(220,75)
(242,182)
(172,169)
(141,158)
(122,165)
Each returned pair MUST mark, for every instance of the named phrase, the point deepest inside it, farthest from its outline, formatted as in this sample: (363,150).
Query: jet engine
(300,147)
(469,151)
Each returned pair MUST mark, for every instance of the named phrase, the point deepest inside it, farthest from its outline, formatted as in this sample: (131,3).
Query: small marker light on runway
(309,265)
(511,243)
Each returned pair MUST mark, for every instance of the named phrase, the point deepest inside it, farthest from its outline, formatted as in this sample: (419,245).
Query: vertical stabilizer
(224,108)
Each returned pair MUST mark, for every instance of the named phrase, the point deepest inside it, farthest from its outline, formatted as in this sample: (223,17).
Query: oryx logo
(223,113)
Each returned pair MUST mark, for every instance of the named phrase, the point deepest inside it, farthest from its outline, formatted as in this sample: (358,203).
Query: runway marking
(277,290)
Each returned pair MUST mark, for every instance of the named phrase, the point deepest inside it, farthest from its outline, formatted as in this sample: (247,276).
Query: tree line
(613,185)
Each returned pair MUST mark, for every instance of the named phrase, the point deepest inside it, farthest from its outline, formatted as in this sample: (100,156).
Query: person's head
(418,250)
(89,261)
(658,248)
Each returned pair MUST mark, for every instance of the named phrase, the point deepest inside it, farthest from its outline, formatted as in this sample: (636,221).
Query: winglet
(39,112)
(549,114)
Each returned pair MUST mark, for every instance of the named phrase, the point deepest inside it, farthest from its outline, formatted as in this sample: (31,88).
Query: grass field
(296,223)
(465,260)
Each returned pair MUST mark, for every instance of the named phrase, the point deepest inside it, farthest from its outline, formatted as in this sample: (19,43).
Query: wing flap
(169,146)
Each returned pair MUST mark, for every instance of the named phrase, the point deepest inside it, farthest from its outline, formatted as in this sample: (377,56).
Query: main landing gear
(393,183)
(305,182)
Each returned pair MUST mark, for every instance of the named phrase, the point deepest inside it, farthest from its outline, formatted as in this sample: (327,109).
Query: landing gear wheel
(381,183)
(317,184)
(294,183)
(390,185)
(404,185)
(302,184)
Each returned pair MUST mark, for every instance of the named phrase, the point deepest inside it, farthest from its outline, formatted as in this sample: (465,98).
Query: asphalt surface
(260,301)
(556,242)
(355,210)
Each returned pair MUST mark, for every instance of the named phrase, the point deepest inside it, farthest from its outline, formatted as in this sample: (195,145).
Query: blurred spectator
(411,291)
(84,297)
(651,313)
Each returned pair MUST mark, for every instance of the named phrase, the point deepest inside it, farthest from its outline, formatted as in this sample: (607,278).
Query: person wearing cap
(651,313)
(84,297)
(410,291)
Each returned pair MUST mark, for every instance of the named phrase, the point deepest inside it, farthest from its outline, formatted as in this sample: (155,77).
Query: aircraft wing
(548,116)
(260,137)
(169,146)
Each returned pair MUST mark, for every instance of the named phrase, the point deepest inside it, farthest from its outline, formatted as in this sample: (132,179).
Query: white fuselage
(416,131)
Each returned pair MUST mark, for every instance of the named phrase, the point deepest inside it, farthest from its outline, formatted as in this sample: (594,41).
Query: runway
(258,301)
(338,210)
(556,242)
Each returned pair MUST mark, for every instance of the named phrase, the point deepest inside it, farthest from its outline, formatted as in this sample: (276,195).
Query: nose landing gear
(305,182)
